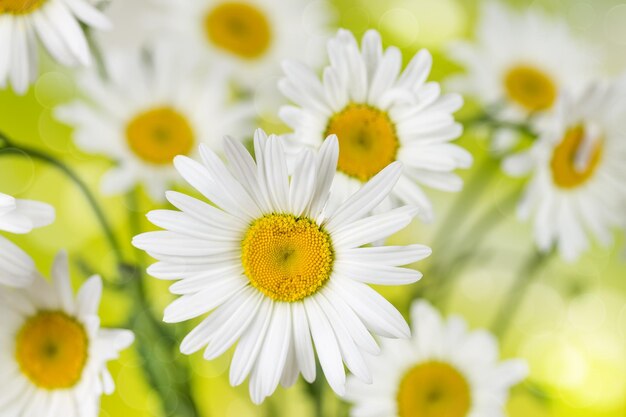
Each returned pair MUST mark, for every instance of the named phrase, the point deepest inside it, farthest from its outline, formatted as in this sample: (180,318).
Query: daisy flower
(150,111)
(277,272)
(577,167)
(19,216)
(380,115)
(519,64)
(56,23)
(444,370)
(253,36)
(53,353)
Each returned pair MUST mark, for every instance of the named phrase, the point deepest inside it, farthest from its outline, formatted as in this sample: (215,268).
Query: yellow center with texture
(239,28)
(287,258)
(433,389)
(51,350)
(156,136)
(20,6)
(563,164)
(367,140)
(530,88)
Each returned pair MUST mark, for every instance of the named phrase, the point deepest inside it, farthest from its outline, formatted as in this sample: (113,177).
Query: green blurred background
(572,323)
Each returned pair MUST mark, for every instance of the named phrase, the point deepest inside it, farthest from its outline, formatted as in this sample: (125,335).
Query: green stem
(7,146)
(316,392)
(516,293)
(449,270)
(175,392)
(475,185)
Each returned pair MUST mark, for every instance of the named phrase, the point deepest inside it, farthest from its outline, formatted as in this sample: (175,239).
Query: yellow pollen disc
(367,140)
(158,135)
(433,389)
(51,350)
(20,6)
(287,258)
(239,28)
(563,164)
(531,88)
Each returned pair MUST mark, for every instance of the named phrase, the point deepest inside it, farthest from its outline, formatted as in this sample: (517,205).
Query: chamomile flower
(253,36)
(55,23)
(380,115)
(444,370)
(151,110)
(53,353)
(519,64)
(276,272)
(577,166)
(19,216)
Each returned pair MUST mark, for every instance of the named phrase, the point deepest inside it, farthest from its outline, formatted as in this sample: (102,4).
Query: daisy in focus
(444,370)
(380,115)
(519,64)
(577,166)
(53,353)
(151,110)
(19,216)
(56,23)
(274,270)
(253,36)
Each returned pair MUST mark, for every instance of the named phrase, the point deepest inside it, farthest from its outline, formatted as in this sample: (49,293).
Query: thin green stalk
(518,290)
(171,379)
(463,204)
(448,271)
(9,147)
(316,392)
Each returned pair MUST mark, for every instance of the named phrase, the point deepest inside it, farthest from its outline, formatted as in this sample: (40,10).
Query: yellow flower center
(239,28)
(531,88)
(367,140)
(158,135)
(20,6)
(51,350)
(287,258)
(433,389)
(565,172)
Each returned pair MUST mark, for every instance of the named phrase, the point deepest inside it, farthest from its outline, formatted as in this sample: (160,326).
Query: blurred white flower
(578,171)
(53,353)
(519,64)
(152,108)
(380,115)
(275,270)
(55,23)
(444,370)
(19,216)
(253,36)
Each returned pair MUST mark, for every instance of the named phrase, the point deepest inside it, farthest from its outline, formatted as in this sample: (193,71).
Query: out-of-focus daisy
(275,270)
(520,63)
(444,370)
(380,115)
(252,35)
(578,171)
(152,109)
(55,23)
(53,353)
(19,216)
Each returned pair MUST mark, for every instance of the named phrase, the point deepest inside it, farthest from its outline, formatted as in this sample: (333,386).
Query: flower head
(53,352)
(379,115)
(55,23)
(275,270)
(444,370)
(577,171)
